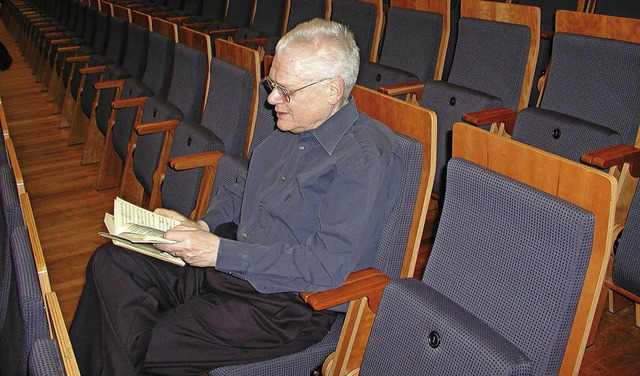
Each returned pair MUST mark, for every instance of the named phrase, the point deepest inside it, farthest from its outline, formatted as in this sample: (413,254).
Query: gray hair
(333,47)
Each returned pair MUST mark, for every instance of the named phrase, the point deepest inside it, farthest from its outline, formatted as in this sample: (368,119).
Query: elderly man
(309,212)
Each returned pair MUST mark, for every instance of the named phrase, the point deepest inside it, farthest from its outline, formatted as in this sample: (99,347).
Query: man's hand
(183,220)
(197,247)
(195,244)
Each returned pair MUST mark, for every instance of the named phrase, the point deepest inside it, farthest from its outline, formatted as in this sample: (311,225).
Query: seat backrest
(626,263)
(493,66)
(581,185)
(414,45)
(101,36)
(239,13)
(364,18)
(398,249)
(305,10)
(619,8)
(548,10)
(593,74)
(496,50)
(229,167)
(503,264)
(214,9)
(271,17)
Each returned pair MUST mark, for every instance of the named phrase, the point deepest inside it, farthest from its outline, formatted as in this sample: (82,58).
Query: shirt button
(301,147)
(283,177)
(244,235)
(260,203)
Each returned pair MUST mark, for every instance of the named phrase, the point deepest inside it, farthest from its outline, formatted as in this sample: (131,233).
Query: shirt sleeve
(225,204)
(351,219)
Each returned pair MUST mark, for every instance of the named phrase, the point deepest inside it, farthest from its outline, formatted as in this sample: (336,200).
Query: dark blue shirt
(312,206)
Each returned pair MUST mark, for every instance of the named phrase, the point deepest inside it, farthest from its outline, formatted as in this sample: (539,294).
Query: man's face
(309,107)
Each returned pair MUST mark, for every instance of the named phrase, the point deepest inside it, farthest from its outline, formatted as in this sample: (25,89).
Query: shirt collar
(331,131)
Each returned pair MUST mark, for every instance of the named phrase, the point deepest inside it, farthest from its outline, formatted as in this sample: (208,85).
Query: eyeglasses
(286,93)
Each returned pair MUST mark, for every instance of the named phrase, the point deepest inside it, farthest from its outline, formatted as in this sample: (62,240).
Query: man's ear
(336,90)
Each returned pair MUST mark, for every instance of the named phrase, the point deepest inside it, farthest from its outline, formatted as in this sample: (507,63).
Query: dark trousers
(141,315)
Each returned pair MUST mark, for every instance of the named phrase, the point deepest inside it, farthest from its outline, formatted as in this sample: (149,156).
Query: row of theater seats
(33,335)
(589,95)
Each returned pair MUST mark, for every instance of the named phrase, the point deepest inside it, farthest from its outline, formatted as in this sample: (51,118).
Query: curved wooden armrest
(493,115)
(367,282)
(94,69)
(405,88)
(178,19)
(614,156)
(60,41)
(222,33)
(187,162)
(68,49)
(157,127)
(76,59)
(108,84)
(253,41)
(53,34)
(197,25)
(45,27)
(129,102)
(160,14)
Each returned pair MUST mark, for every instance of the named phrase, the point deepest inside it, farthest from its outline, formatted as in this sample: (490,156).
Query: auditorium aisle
(69,212)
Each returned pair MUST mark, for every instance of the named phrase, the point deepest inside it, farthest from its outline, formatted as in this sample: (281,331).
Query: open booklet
(137,229)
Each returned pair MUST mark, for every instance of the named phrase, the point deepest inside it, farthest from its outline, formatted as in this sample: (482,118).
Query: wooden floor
(68,211)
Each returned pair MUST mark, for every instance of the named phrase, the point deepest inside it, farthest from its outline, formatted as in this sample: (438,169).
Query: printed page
(125,212)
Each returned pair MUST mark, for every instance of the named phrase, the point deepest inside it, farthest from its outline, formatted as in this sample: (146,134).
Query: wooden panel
(442,7)
(15,166)
(122,12)
(202,42)
(60,334)
(34,239)
(164,27)
(598,25)
(515,14)
(141,19)
(584,186)
(420,124)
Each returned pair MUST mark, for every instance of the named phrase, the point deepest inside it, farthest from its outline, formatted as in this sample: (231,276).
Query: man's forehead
(290,65)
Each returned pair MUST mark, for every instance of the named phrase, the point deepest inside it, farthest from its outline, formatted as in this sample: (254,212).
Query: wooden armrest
(253,41)
(61,41)
(68,49)
(160,14)
(53,34)
(129,102)
(405,88)
(614,156)
(76,59)
(94,69)
(157,127)
(197,25)
(221,33)
(187,162)
(367,282)
(108,84)
(493,115)
(178,19)
(45,27)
